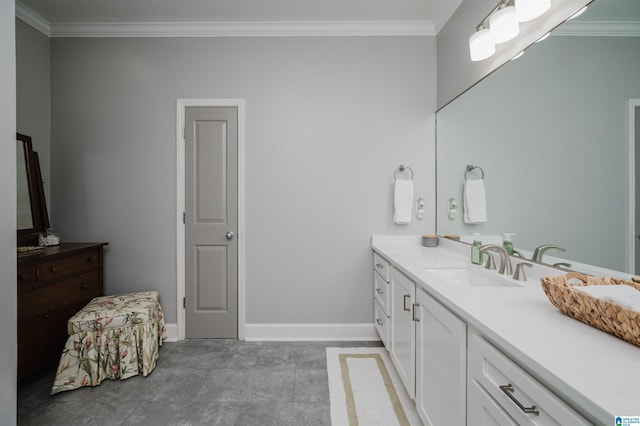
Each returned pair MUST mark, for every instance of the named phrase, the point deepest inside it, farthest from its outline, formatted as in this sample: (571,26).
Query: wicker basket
(604,315)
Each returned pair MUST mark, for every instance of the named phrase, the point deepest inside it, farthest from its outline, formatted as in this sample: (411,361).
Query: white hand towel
(402,201)
(474,201)
(622,294)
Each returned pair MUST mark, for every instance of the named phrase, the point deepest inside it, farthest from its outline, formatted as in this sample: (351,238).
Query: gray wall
(8,396)
(328,120)
(33,90)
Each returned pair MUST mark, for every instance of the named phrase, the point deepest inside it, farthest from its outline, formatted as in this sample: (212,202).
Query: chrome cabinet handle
(379,291)
(229,235)
(379,265)
(379,321)
(406,296)
(415,305)
(508,390)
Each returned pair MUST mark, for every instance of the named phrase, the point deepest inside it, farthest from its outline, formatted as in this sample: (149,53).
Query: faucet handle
(491,263)
(519,275)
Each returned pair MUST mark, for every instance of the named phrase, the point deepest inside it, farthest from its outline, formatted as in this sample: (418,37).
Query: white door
(211,222)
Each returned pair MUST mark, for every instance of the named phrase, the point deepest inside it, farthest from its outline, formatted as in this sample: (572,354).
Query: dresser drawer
(381,266)
(55,269)
(515,390)
(42,302)
(26,274)
(382,292)
(381,322)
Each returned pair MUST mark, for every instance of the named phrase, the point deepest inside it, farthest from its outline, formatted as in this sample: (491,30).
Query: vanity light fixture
(503,24)
(526,10)
(481,45)
(544,37)
(519,55)
(578,13)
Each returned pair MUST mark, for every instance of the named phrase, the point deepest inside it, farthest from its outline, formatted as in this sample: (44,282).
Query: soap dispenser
(507,242)
(476,254)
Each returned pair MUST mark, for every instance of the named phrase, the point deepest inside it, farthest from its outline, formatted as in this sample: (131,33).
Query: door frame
(181,105)
(631,175)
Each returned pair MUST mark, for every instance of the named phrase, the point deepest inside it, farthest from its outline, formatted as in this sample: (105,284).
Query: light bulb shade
(481,45)
(504,24)
(527,10)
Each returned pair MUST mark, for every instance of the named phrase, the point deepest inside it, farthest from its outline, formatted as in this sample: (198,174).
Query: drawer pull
(379,321)
(84,286)
(508,390)
(379,265)
(53,269)
(379,291)
(24,277)
(90,259)
(415,305)
(406,296)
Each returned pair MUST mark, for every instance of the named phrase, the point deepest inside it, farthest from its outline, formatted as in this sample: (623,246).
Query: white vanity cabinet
(500,392)
(441,358)
(403,330)
(381,298)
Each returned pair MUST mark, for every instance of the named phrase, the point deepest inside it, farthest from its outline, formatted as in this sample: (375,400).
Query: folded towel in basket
(474,201)
(402,201)
(623,295)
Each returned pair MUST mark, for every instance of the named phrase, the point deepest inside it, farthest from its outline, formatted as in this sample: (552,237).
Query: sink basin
(471,278)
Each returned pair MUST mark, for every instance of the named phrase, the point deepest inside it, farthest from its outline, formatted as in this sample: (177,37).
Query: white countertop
(595,372)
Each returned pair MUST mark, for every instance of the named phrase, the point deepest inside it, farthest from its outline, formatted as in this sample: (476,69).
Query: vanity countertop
(594,371)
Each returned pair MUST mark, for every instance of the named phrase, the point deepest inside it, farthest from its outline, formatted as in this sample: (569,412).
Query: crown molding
(32,18)
(224,29)
(599,28)
(242,29)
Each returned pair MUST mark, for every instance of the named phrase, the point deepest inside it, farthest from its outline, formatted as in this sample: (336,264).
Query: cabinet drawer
(483,410)
(491,369)
(381,322)
(54,269)
(382,292)
(37,304)
(26,274)
(381,266)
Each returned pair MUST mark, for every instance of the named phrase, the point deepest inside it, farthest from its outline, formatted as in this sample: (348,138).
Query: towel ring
(401,169)
(470,168)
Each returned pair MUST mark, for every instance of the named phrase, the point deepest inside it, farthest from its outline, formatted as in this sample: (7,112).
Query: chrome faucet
(505,262)
(539,251)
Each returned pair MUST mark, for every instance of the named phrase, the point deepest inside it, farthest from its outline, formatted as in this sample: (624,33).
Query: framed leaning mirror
(31,207)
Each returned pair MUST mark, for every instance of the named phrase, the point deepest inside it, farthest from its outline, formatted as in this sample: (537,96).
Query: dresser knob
(23,277)
(53,269)
(84,286)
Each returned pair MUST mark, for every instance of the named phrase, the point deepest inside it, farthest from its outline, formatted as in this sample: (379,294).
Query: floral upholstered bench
(112,337)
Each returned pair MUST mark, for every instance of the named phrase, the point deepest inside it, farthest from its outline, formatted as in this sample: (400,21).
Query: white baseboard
(310,332)
(172,333)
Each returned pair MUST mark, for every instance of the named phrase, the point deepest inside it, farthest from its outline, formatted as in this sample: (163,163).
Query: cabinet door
(441,363)
(403,353)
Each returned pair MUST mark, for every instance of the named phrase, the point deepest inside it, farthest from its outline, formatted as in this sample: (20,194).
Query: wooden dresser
(53,284)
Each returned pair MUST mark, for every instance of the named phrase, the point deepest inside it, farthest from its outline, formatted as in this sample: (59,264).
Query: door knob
(229,235)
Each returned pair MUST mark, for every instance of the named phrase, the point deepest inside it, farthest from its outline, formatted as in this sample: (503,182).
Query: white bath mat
(365,390)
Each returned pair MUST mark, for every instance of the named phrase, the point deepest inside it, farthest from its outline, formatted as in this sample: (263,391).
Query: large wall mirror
(31,207)
(554,133)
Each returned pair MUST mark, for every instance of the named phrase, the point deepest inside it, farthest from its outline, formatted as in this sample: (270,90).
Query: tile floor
(199,382)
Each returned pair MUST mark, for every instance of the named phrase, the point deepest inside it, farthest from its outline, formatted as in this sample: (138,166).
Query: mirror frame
(39,215)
